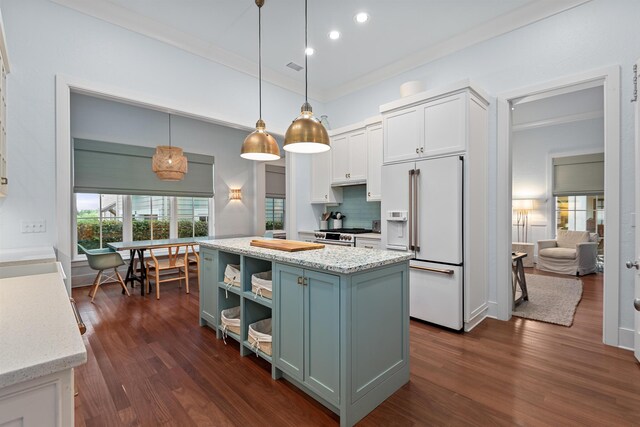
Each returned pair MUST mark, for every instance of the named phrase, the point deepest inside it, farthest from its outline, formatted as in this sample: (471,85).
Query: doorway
(544,204)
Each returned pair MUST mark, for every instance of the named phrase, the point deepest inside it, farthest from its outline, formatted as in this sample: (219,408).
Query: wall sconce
(235,194)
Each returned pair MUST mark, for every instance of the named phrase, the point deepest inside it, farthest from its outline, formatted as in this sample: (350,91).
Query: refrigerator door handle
(417,210)
(411,172)
(434,270)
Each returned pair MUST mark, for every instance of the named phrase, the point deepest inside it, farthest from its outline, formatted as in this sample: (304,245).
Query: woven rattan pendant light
(259,145)
(169,163)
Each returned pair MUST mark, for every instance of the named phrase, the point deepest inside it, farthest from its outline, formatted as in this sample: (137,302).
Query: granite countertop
(38,331)
(339,259)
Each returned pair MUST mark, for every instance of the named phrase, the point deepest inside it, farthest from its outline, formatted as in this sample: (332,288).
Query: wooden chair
(193,261)
(100,260)
(175,261)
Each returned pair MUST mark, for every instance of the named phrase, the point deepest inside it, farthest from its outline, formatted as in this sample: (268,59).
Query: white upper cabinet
(349,157)
(426,128)
(374,162)
(444,126)
(402,135)
(321,190)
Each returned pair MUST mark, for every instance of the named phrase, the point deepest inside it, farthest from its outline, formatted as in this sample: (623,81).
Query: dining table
(137,249)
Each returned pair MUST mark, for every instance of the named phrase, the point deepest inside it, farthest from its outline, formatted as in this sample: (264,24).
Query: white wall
(532,151)
(103,120)
(594,35)
(45,39)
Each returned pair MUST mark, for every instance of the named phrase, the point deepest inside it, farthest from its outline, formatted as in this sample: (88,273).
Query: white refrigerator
(422,209)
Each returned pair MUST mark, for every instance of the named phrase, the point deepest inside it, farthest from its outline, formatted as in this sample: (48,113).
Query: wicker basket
(261,284)
(232,275)
(260,336)
(230,319)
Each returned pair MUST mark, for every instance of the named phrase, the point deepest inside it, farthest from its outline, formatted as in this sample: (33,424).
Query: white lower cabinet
(436,294)
(306,236)
(43,402)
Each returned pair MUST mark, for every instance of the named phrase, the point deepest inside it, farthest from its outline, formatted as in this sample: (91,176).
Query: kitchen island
(340,317)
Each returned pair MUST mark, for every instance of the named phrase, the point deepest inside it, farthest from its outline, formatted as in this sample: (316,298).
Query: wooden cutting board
(286,245)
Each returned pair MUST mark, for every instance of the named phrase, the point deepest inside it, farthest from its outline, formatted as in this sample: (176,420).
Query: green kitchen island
(340,317)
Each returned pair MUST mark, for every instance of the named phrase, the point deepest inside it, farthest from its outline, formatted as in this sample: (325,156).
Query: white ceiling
(400,35)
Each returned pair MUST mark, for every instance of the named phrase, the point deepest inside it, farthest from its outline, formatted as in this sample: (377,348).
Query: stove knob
(348,237)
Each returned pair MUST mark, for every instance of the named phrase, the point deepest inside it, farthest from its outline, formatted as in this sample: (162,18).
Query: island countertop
(339,259)
(39,334)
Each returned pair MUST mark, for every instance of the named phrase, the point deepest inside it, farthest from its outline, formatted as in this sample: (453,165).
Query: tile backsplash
(359,213)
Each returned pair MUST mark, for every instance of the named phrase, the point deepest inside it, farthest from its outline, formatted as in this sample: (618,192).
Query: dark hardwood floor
(149,363)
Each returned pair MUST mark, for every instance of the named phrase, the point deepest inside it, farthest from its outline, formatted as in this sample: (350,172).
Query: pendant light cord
(306,45)
(169,130)
(260,59)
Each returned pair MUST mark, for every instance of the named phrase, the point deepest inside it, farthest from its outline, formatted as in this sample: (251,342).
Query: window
(581,213)
(99,219)
(274,213)
(193,216)
(104,218)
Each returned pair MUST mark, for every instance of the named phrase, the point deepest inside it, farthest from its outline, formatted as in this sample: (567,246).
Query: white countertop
(19,256)
(339,259)
(38,331)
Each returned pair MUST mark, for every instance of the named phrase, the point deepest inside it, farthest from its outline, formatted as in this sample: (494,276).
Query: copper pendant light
(306,134)
(259,145)
(169,163)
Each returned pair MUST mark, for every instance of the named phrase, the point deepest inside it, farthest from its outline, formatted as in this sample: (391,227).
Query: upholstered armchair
(572,252)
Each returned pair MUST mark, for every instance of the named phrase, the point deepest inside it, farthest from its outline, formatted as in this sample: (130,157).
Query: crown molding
(510,21)
(124,18)
(135,22)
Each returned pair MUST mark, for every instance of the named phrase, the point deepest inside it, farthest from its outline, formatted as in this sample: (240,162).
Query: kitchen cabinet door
(402,135)
(322,334)
(208,286)
(445,126)
(367,243)
(374,163)
(321,190)
(357,156)
(289,320)
(339,159)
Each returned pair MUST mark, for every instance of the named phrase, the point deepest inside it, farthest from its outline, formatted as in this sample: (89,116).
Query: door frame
(609,78)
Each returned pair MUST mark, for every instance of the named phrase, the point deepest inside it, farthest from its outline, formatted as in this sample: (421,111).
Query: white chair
(572,252)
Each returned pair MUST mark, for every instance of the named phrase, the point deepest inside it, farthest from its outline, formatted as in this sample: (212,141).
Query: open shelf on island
(262,354)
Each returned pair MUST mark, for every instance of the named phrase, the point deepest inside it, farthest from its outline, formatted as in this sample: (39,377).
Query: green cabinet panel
(307,316)
(208,286)
(289,320)
(322,334)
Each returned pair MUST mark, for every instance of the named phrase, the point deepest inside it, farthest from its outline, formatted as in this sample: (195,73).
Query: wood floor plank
(150,364)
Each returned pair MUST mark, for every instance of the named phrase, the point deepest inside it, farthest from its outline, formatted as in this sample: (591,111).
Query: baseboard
(626,339)
(476,318)
(492,309)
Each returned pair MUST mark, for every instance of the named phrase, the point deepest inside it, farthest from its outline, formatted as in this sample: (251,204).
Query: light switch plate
(39,226)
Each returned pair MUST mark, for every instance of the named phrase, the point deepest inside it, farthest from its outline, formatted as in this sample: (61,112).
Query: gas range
(340,236)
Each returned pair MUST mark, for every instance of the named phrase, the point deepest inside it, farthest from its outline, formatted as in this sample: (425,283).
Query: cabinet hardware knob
(417,150)
(369,194)
(325,196)
(299,280)
(422,149)
(208,259)
(4,181)
(304,281)
(369,247)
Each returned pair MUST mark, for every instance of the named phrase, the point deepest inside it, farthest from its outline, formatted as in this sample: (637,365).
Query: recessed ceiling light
(334,35)
(309,51)
(361,17)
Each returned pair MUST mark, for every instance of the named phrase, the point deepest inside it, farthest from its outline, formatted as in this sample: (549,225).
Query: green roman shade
(578,175)
(109,168)
(275,185)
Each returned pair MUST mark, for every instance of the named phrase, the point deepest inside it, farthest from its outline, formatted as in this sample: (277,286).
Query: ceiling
(400,34)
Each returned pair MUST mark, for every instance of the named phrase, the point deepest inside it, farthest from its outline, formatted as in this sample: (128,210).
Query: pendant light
(259,145)
(306,134)
(169,163)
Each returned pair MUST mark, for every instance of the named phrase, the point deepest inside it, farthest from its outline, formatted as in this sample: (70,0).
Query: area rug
(551,299)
